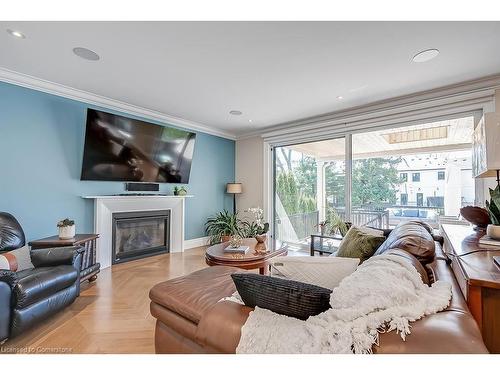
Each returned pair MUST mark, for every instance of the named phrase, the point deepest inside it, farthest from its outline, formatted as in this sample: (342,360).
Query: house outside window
(403,177)
(415,177)
(441,175)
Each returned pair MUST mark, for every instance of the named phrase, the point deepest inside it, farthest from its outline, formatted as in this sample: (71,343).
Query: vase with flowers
(258,228)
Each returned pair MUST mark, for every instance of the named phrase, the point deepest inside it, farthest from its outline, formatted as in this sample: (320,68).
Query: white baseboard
(195,242)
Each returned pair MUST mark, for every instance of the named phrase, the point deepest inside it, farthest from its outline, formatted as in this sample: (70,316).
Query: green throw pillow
(360,243)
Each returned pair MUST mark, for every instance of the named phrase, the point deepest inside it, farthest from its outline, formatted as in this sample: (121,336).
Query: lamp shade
(234,188)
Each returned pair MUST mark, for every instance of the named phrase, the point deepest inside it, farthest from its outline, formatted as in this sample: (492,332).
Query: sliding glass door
(309,187)
(418,172)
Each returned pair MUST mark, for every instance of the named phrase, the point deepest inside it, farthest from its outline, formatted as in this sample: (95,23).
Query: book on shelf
(239,250)
(487,240)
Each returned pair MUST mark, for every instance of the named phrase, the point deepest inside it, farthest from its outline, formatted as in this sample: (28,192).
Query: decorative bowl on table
(477,216)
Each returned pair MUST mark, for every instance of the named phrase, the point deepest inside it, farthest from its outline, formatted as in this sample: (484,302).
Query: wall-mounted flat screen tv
(118,148)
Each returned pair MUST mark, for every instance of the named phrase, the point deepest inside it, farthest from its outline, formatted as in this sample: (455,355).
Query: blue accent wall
(41,148)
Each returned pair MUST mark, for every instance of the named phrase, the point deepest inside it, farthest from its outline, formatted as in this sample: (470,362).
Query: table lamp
(234,188)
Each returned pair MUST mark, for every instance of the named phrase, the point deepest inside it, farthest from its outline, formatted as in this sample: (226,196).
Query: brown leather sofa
(190,318)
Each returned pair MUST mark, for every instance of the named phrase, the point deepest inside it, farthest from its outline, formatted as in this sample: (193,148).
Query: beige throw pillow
(326,272)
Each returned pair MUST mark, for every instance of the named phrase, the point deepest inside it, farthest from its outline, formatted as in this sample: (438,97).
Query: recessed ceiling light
(250,121)
(86,54)
(235,113)
(340,97)
(426,55)
(16,34)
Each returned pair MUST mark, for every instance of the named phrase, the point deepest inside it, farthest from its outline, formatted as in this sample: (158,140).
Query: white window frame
(347,135)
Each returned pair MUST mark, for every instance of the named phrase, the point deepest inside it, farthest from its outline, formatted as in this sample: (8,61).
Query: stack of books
(487,240)
(237,250)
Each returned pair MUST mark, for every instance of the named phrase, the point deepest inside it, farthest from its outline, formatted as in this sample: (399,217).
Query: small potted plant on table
(493,207)
(66,229)
(336,225)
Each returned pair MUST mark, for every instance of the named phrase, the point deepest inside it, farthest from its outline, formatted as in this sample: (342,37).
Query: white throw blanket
(385,293)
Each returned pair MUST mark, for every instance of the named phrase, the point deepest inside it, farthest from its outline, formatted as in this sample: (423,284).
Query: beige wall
(249,171)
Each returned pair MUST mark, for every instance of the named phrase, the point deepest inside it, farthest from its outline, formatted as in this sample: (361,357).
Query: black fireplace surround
(139,234)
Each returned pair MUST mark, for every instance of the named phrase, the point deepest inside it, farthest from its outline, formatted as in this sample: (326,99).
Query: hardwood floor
(112,314)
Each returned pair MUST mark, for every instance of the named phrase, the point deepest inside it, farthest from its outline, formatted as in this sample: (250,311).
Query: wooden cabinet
(478,277)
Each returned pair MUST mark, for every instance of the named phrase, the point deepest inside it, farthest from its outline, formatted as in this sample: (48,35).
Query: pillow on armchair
(16,260)
(326,272)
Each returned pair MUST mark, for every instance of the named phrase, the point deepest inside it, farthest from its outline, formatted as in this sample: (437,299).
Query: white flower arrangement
(259,226)
(258,214)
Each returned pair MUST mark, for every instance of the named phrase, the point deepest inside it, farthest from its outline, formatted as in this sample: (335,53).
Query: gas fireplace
(140,234)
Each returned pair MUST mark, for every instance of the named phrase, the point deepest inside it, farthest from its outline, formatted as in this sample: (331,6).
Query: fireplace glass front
(140,234)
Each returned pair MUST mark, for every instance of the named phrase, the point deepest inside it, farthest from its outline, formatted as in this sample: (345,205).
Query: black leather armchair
(30,296)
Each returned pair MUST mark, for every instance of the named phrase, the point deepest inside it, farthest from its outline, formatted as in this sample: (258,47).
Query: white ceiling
(274,72)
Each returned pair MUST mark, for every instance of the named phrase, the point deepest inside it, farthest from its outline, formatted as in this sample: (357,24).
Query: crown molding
(477,89)
(34,83)
(475,92)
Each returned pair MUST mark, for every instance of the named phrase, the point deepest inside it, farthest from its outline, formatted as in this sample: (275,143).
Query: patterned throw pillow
(285,297)
(16,260)
(360,242)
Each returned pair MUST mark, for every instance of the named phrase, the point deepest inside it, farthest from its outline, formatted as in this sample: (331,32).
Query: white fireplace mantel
(106,205)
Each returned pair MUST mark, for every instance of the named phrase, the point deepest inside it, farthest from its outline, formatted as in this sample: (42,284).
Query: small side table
(216,256)
(90,268)
(323,243)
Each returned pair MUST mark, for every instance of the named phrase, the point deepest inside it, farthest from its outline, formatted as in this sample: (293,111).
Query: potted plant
(493,207)
(258,228)
(335,223)
(322,225)
(222,226)
(180,191)
(66,229)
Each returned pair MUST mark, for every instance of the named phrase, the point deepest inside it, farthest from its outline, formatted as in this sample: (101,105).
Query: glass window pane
(419,172)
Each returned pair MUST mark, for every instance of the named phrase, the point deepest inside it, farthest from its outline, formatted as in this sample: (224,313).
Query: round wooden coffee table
(215,255)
